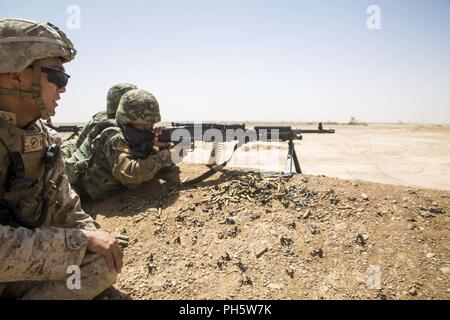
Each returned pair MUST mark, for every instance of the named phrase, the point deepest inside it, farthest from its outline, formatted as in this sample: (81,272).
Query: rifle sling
(213,170)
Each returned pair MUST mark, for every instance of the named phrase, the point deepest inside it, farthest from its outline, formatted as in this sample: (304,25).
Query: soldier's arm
(68,211)
(70,217)
(132,172)
(40,254)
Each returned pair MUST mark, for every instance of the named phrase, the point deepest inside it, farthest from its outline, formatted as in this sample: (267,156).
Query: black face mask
(140,140)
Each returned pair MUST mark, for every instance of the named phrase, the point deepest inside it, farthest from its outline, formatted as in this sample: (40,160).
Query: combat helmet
(138,107)
(24,43)
(114,94)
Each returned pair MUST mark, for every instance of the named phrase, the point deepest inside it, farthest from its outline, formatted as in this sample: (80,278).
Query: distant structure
(354,122)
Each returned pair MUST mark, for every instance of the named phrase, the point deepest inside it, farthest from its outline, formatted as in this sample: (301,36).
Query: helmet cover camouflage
(138,107)
(114,94)
(25,43)
(22,42)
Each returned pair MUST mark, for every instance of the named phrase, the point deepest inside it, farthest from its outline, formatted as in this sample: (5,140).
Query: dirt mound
(245,235)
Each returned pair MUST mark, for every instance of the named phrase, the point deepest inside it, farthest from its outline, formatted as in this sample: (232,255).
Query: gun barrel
(281,133)
(318,131)
(67,128)
(208,125)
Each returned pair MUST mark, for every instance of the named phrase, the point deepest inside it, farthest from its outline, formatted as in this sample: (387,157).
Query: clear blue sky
(258,60)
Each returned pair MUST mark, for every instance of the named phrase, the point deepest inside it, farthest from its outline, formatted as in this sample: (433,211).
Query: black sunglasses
(57,77)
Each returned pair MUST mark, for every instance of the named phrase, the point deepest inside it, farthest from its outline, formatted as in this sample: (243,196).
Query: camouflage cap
(22,42)
(138,107)
(113,98)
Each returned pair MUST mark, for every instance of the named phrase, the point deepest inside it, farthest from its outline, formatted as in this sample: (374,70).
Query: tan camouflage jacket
(128,170)
(43,253)
(114,167)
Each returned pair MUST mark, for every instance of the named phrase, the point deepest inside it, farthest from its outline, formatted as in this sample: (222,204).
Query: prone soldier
(112,102)
(122,156)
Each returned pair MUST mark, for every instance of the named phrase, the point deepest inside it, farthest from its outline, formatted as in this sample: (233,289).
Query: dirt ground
(309,237)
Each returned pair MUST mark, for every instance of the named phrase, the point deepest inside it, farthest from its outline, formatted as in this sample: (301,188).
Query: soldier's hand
(162,145)
(157,131)
(107,245)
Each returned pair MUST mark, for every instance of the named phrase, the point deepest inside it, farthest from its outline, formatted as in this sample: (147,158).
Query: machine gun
(74,129)
(206,132)
(188,133)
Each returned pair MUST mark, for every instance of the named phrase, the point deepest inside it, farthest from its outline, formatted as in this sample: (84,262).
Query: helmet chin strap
(35,93)
(36,90)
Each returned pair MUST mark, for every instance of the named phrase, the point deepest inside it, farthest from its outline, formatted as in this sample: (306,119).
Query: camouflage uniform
(69,146)
(34,260)
(114,94)
(108,163)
